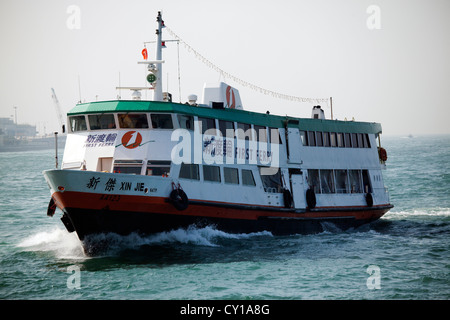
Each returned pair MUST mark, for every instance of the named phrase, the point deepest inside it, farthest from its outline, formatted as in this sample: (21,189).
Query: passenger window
(211,173)
(261,133)
(161,121)
(366,141)
(274,135)
(327,181)
(271,183)
(341,181)
(313,180)
(360,140)
(158,168)
(304,138)
(244,131)
(189,171)
(311,138)
(319,140)
(186,122)
(355,181)
(132,120)
(207,123)
(333,139)
(231,175)
(77,123)
(101,121)
(348,141)
(326,139)
(247,178)
(128,166)
(226,125)
(340,140)
(354,140)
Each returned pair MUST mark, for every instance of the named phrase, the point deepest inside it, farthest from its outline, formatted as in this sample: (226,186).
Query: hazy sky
(382,61)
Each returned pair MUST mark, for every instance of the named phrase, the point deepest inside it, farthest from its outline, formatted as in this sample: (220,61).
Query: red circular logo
(131,139)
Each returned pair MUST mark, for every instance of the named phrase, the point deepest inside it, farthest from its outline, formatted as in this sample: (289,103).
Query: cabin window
(274,134)
(327,181)
(366,181)
(304,138)
(341,181)
(271,183)
(247,178)
(340,139)
(360,140)
(244,131)
(158,168)
(132,120)
(366,141)
(189,171)
(348,140)
(355,181)
(326,139)
(161,121)
(311,139)
(207,123)
(319,139)
(128,166)
(226,125)
(101,121)
(313,180)
(186,122)
(354,140)
(211,173)
(231,175)
(333,139)
(77,123)
(261,133)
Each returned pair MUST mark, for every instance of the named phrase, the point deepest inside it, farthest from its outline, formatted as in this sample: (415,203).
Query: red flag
(144,53)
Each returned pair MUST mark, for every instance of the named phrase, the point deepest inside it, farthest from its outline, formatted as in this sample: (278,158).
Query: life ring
(382,154)
(311,198)
(287,197)
(179,199)
(369,199)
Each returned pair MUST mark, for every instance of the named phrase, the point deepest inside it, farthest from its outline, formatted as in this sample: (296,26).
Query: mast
(158,94)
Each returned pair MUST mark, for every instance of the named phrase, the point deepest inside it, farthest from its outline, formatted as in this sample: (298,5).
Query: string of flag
(238,80)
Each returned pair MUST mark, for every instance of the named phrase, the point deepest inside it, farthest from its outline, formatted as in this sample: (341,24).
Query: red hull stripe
(202,208)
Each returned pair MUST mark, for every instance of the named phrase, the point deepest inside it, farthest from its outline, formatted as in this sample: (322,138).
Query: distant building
(10,129)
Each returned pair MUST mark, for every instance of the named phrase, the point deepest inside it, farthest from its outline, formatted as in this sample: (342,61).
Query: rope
(240,81)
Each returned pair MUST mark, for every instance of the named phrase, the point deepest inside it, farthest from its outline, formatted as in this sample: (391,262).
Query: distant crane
(58,111)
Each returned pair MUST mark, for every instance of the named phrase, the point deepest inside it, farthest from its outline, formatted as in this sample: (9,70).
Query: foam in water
(64,245)
(67,245)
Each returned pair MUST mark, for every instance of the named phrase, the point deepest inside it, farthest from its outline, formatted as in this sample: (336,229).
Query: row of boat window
(209,126)
(213,174)
(339,181)
(335,139)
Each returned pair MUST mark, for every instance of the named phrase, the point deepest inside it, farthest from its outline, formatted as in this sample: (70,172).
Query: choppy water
(405,255)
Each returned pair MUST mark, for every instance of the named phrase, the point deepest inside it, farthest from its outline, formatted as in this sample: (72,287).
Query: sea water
(404,255)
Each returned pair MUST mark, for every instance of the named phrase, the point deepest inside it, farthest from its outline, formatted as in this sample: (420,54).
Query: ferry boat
(154,166)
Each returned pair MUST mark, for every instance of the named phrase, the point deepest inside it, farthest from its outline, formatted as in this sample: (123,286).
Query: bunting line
(239,80)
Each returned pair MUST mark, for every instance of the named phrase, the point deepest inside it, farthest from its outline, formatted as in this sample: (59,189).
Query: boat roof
(243,116)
